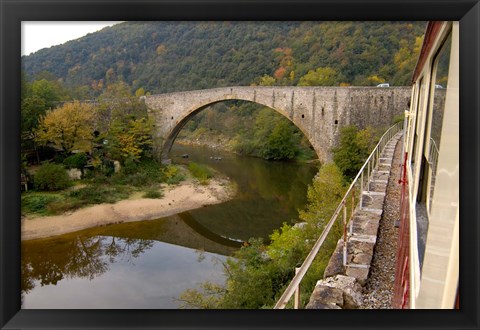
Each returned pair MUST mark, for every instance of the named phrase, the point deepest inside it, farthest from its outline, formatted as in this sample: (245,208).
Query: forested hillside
(172,56)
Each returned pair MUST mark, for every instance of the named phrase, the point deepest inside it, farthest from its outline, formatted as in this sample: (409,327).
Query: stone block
(357,247)
(318,305)
(116,165)
(371,216)
(335,264)
(74,174)
(365,226)
(370,228)
(325,297)
(351,289)
(362,258)
(361,274)
(373,201)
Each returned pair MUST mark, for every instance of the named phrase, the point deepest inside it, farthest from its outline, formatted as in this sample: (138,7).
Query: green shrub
(51,177)
(130,166)
(172,175)
(37,202)
(147,172)
(59,158)
(97,194)
(76,161)
(107,168)
(63,205)
(153,193)
(201,172)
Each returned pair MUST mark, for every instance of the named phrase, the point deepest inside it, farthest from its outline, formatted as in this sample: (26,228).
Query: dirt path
(186,196)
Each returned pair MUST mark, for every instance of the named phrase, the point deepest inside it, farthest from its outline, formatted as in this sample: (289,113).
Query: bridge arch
(319,112)
(190,113)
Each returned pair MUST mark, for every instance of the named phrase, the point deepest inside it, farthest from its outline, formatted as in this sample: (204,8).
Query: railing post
(344,234)
(361,190)
(351,212)
(368,177)
(296,302)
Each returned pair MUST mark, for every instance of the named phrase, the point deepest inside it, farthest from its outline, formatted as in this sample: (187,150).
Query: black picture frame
(14,11)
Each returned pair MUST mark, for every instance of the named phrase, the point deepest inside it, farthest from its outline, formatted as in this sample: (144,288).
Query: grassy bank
(142,180)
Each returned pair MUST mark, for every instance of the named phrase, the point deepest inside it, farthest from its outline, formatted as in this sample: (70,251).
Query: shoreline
(188,195)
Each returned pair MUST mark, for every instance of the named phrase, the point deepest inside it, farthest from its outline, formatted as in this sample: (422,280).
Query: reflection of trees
(49,261)
(126,248)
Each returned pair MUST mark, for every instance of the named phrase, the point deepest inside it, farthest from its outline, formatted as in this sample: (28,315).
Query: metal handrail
(369,165)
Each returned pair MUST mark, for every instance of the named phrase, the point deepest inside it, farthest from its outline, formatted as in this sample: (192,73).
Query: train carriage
(427,269)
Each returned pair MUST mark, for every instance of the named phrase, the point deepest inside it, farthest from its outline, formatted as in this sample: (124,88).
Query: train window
(440,76)
(418,155)
(418,124)
(432,102)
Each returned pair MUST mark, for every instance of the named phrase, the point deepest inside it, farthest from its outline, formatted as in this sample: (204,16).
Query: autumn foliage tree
(324,76)
(130,139)
(68,127)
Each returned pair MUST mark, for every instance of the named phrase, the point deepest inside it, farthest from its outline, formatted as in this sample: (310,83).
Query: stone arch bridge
(319,112)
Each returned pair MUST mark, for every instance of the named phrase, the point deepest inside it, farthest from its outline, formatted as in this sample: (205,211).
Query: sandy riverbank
(188,195)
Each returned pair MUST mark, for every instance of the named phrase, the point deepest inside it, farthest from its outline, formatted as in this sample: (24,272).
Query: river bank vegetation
(76,154)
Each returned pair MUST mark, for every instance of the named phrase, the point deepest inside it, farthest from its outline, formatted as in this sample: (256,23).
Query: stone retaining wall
(341,287)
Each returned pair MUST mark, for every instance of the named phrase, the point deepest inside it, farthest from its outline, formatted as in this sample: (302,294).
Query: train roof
(431,32)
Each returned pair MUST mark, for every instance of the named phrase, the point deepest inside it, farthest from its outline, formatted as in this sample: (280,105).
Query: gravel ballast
(378,290)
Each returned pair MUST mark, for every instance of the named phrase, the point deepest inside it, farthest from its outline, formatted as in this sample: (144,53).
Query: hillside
(172,56)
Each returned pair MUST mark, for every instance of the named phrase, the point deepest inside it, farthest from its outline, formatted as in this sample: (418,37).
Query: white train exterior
(427,272)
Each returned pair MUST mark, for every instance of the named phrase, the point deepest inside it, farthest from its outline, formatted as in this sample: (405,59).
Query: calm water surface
(148,264)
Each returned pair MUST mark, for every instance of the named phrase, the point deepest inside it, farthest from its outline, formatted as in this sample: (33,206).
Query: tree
(266,80)
(118,102)
(323,195)
(324,76)
(50,91)
(32,108)
(36,98)
(68,127)
(130,139)
(353,149)
(375,80)
(405,60)
(281,142)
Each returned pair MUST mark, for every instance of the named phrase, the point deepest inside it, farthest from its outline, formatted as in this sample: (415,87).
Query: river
(148,264)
